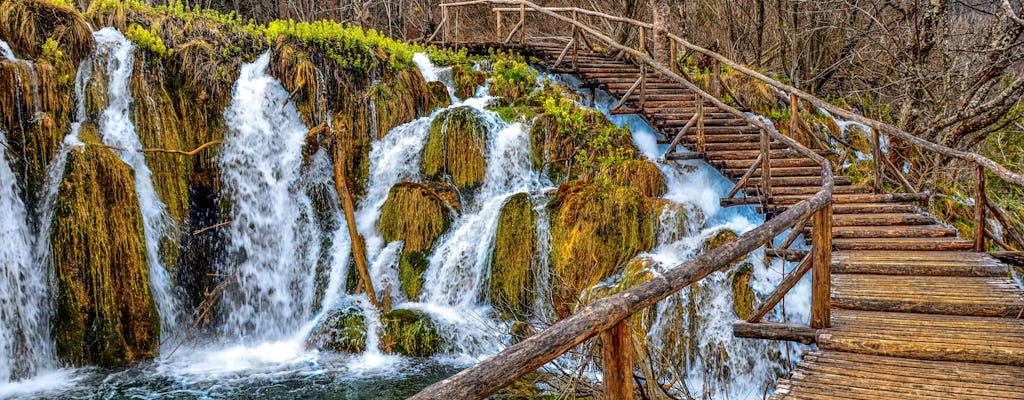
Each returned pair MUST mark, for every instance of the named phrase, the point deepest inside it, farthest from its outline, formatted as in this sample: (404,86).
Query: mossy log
(415,215)
(511,286)
(456,148)
(105,314)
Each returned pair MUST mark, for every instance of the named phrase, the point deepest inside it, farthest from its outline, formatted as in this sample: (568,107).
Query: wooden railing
(609,317)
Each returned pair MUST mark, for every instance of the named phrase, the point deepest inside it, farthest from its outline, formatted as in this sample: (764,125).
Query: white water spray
(272,240)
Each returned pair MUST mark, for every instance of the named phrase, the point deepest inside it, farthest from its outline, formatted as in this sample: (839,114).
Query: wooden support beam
(701,140)
(821,261)
(716,79)
(625,97)
(682,132)
(522,22)
(899,175)
(617,360)
(1009,257)
(773,331)
(1008,227)
(497,24)
(791,255)
(779,293)
(979,209)
(766,165)
(746,176)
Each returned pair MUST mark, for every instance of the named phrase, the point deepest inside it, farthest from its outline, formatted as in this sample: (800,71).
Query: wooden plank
(775,331)
(617,357)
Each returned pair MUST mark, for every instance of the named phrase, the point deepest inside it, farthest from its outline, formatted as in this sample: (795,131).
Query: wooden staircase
(915,314)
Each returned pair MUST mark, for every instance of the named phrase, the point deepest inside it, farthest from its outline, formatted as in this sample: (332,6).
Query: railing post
(575,42)
(794,115)
(979,210)
(522,22)
(766,167)
(497,24)
(643,40)
(701,140)
(617,357)
(821,275)
(716,79)
(673,55)
(876,157)
(444,29)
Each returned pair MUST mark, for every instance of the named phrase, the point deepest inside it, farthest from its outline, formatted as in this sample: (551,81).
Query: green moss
(349,46)
(34,26)
(595,228)
(439,97)
(742,293)
(341,331)
(411,267)
(456,148)
(639,173)
(414,214)
(571,142)
(105,314)
(467,80)
(409,333)
(719,239)
(511,286)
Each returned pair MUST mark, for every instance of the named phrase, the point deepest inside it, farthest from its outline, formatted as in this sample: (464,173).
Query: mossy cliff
(415,215)
(456,149)
(35,94)
(512,285)
(105,314)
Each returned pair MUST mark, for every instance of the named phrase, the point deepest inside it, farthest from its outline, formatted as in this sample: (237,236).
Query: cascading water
(272,241)
(5,50)
(24,327)
(118,130)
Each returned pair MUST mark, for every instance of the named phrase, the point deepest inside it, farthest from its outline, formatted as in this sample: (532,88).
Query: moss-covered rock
(640,173)
(512,286)
(439,97)
(343,330)
(105,314)
(719,239)
(571,142)
(742,293)
(467,80)
(595,228)
(27,25)
(409,333)
(675,220)
(456,148)
(417,216)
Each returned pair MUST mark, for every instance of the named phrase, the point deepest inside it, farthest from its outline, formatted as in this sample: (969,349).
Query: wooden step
(777,172)
(861,208)
(927,337)
(716,147)
(930,244)
(949,295)
(775,163)
(664,114)
(691,137)
(915,263)
(882,219)
(783,191)
(660,122)
(844,375)
(751,154)
(913,231)
(850,198)
(781,181)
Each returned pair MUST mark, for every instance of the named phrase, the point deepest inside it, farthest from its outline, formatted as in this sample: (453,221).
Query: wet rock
(409,333)
(456,149)
(417,216)
(511,286)
(343,330)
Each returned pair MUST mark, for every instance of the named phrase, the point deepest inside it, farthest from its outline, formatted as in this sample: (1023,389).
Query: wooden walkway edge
(915,312)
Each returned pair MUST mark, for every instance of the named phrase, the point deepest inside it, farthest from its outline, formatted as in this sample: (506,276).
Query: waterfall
(24,329)
(271,242)
(117,130)
(5,50)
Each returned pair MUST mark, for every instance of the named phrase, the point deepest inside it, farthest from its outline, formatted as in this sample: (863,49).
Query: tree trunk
(662,16)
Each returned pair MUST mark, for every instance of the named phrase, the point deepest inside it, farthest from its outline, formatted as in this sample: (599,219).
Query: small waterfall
(24,311)
(271,242)
(118,131)
(5,50)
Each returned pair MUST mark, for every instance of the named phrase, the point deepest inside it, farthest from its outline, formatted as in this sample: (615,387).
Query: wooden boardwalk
(915,313)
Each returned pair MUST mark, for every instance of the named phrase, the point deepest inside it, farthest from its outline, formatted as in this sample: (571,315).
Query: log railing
(609,317)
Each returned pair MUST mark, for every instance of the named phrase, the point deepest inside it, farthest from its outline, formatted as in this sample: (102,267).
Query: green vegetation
(595,228)
(342,331)
(511,77)
(148,40)
(511,287)
(456,149)
(414,214)
(742,294)
(349,46)
(409,333)
(105,314)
